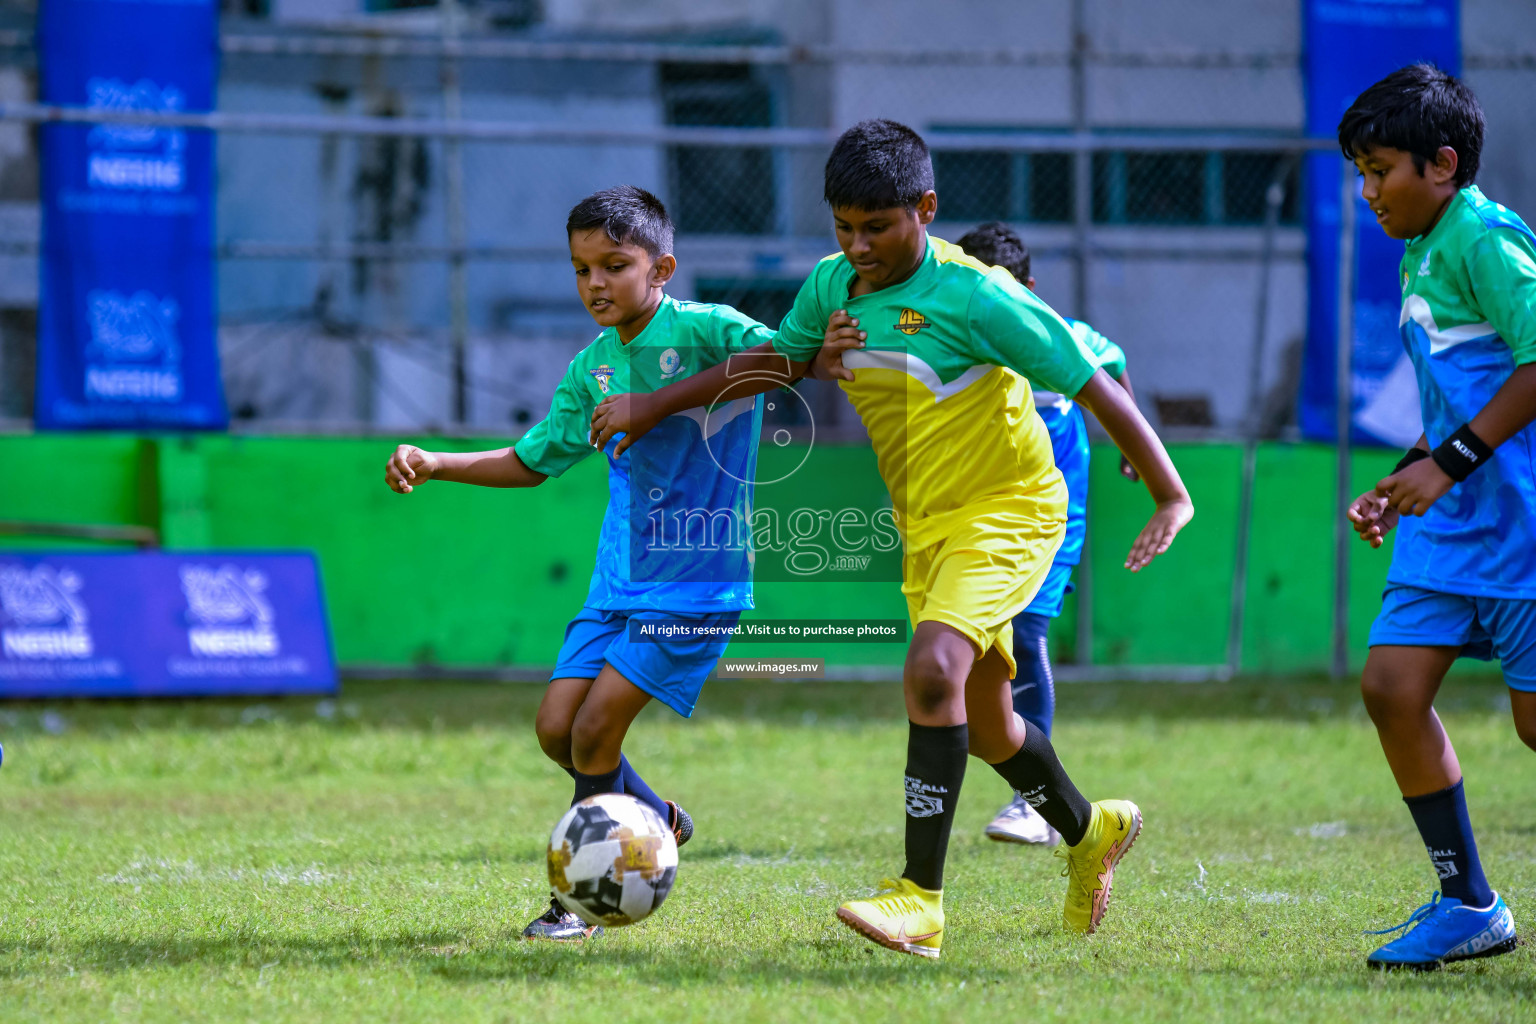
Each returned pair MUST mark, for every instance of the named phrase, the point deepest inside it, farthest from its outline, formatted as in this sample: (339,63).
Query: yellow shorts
(983,574)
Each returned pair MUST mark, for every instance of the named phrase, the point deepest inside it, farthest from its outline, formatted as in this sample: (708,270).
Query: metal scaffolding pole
(648,135)
(1343,415)
(1274,199)
(1082,216)
(453,179)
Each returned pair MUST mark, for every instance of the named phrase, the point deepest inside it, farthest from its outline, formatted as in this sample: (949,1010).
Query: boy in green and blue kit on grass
(612,664)
(1463,574)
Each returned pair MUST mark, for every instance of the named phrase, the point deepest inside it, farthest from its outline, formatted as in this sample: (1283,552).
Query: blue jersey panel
(1480,538)
(676,535)
(1069,444)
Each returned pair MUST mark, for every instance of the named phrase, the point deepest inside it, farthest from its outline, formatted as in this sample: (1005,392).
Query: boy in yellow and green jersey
(937,353)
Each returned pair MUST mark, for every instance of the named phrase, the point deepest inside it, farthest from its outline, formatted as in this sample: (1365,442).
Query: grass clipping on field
(374,857)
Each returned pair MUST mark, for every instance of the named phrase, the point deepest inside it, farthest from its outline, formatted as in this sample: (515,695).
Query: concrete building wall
(296,328)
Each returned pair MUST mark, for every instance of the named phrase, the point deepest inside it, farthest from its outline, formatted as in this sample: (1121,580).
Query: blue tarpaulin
(126,332)
(1351,44)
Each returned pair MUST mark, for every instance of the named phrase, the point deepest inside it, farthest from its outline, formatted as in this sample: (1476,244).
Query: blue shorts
(672,670)
(1483,627)
(1052,593)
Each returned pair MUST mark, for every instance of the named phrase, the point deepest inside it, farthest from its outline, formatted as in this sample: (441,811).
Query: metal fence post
(1082,215)
(1342,417)
(453,179)
(1274,198)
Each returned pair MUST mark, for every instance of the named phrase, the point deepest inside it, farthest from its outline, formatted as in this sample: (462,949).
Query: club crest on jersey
(671,364)
(1424,267)
(911,321)
(602,374)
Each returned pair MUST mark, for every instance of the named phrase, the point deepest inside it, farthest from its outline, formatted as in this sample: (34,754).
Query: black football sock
(1037,774)
(936,756)
(635,786)
(591,785)
(1447,832)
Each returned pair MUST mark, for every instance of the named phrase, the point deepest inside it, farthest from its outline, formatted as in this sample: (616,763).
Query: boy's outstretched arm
(411,466)
(1136,440)
(1413,489)
(745,374)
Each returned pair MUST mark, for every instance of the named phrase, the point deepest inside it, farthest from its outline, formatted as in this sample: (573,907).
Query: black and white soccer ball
(612,860)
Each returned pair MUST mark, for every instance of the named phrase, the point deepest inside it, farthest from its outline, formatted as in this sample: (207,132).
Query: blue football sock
(591,785)
(1034,688)
(635,786)
(1447,831)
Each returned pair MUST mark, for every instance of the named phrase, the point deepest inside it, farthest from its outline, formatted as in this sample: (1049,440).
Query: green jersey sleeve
(727,332)
(1502,269)
(805,325)
(560,440)
(1111,356)
(1010,327)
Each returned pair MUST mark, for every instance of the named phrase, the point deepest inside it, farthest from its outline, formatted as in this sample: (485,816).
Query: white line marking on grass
(166,872)
(1325,830)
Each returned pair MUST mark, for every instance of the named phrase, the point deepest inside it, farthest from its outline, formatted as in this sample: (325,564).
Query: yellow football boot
(902,916)
(1090,869)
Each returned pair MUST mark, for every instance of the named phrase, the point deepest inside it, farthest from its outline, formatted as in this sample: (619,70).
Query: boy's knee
(929,684)
(1525,728)
(554,733)
(1382,699)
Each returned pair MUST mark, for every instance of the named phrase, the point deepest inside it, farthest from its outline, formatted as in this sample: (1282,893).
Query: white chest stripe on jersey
(912,366)
(712,423)
(1415,308)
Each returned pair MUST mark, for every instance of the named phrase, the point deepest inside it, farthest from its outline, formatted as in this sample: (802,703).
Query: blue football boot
(1443,931)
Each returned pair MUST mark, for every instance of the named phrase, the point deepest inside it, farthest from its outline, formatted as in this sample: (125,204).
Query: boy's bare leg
(1523,705)
(596,734)
(938,663)
(562,699)
(1020,753)
(997,731)
(1399,687)
(557,711)
(933,683)
(603,720)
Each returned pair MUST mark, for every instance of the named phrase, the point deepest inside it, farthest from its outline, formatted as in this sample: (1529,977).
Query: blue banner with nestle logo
(154,624)
(1350,45)
(126,334)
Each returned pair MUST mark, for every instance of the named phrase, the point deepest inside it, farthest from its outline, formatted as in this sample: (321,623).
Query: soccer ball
(612,860)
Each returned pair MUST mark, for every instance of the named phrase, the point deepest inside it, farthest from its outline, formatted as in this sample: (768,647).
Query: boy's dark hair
(1417,109)
(997,244)
(628,214)
(878,164)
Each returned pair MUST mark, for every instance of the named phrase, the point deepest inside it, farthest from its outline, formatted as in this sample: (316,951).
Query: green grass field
(374,858)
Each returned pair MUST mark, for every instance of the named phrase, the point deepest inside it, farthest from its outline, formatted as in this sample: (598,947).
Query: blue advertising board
(1350,45)
(125,334)
(156,624)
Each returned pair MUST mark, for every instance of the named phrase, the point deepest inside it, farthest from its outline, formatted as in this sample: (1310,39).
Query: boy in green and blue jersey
(1463,574)
(694,471)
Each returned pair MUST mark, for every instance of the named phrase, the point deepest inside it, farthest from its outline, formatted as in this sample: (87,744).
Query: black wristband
(1461,453)
(1411,456)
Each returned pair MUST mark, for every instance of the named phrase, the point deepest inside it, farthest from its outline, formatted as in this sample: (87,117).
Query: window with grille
(719,190)
(1154,187)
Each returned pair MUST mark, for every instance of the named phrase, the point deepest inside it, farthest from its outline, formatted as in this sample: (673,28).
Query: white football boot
(1018,822)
